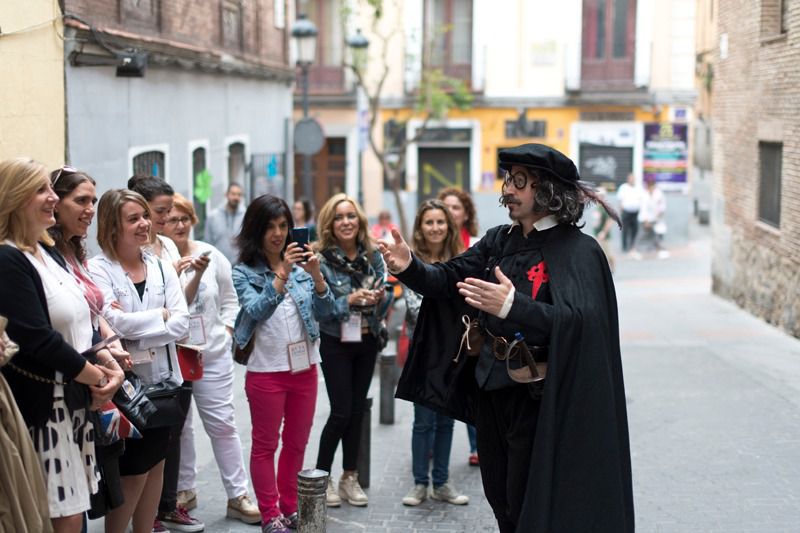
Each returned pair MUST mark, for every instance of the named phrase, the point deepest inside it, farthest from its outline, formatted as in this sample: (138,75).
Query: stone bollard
(311,508)
(388,379)
(362,463)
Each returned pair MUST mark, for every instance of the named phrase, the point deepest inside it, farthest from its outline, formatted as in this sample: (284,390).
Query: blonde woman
(351,338)
(49,318)
(143,299)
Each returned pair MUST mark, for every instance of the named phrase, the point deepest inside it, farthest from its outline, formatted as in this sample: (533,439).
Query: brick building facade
(756,192)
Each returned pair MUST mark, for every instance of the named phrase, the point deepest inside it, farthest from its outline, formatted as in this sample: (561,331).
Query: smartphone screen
(300,236)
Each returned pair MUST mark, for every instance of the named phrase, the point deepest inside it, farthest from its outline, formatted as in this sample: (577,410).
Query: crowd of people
(118,336)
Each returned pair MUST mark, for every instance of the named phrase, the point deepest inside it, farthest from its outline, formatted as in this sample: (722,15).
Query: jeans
(473,438)
(630,226)
(432,433)
(277,398)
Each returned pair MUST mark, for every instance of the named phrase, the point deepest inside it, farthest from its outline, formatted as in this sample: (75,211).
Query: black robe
(580,470)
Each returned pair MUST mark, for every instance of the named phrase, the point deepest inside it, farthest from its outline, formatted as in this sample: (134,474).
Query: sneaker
(663,254)
(292,520)
(332,498)
(416,496)
(275,525)
(179,520)
(187,499)
(473,459)
(242,508)
(351,491)
(158,527)
(448,493)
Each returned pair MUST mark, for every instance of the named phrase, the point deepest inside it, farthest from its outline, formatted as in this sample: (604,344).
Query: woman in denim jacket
(351,338)
(281,293)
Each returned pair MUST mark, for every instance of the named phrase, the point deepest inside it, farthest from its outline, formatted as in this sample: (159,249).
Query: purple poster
(666,152)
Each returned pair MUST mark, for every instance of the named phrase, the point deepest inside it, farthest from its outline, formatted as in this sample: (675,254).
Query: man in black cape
(555,455)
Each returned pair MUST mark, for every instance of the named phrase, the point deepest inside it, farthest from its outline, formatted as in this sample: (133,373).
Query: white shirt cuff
(507,304)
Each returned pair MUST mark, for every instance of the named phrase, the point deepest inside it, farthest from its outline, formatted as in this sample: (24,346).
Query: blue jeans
(473,438)
(432,433)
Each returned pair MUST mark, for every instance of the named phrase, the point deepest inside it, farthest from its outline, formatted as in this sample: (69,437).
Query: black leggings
(348,369)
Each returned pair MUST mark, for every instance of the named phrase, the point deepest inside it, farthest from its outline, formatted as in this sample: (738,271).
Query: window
(141,14)
(784,25)
(198,166)
(326,74)
(770,155)
(231,24)
(237,164)
(448,37)
(774,19)
(609,38)
(525,128)
(149,164)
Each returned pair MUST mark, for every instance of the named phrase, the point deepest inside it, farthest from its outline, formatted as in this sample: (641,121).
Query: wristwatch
(103,381)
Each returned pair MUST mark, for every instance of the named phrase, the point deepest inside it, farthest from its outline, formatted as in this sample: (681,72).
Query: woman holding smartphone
(350,338)
(212,311)
(144,301)
(282,294)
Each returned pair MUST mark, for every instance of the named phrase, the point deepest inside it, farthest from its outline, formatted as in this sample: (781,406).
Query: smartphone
(300,236)
(190,268)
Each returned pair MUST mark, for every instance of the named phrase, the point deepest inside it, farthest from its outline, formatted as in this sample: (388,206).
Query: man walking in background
(630,201)
(224,222)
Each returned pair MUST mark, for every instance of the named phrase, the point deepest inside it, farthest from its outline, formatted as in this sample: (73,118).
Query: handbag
(165,397)
(132,401)
(190,359)
(242,355)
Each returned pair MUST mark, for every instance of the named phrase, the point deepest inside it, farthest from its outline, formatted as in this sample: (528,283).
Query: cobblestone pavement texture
(713,399)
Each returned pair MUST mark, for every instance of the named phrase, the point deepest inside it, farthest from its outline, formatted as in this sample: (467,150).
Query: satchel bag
(132,401)
(164,396)
(242,355)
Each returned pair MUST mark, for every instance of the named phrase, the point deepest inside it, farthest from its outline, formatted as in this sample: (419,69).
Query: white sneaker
(332,498)
(350,490)
(663,254)
(448,493)
(416,495)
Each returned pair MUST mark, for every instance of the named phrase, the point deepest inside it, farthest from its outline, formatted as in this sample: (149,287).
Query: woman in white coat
(143,301)
(213,307)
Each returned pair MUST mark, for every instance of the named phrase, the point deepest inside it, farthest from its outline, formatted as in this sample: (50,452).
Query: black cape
(580,470)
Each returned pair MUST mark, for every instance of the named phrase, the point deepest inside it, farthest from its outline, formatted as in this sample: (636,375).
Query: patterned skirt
(65,446)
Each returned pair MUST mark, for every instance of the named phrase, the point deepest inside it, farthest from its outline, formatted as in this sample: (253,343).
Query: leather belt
(500,345)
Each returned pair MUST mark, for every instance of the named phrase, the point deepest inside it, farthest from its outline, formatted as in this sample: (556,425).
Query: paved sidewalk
(714,411)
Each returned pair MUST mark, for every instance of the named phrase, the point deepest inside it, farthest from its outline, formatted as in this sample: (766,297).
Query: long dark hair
(259,214)
(150,187)
(66,181)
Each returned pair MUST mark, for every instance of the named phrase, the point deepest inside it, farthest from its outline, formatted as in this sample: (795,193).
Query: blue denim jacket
(258,299)
(341,285)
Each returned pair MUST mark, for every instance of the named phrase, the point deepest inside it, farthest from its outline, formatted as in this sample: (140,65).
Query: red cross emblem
(539,276)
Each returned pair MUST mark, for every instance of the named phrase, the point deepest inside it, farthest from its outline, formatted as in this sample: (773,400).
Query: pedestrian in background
(74,214)
(652,218)
(602,224)
(462,210)
(383,228)
(223,223)
(213,307)
(548,397)
(435,240)
(50,320)
(160,197)
(303,214)
(144,301)
(351,338)
(282,294)
(629,197)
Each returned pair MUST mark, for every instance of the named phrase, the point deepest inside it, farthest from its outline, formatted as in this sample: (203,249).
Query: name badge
(299,360)
(197,330)
(351,328)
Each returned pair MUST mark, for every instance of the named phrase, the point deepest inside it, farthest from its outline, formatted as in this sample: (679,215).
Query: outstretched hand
(397,254)
(484,295)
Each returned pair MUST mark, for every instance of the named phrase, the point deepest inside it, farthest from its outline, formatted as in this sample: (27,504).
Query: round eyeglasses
(519,179)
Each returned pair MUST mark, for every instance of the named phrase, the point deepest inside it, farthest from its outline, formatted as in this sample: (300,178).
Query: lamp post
(358,43)
(304,33)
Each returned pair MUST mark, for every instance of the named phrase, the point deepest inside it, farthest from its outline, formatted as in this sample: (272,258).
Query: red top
(465,236)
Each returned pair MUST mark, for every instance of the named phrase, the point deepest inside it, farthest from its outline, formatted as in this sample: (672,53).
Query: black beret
(540,157)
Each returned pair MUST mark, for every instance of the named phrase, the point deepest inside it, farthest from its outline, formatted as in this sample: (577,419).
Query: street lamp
(304,33)
(358,43)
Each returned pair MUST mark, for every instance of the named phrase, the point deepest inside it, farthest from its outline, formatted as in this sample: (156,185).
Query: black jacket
(42,350)
(580,470)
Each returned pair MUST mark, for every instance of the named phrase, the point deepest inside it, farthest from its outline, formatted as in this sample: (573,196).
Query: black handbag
(132,401)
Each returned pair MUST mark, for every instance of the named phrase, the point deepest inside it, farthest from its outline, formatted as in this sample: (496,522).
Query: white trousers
(213,396)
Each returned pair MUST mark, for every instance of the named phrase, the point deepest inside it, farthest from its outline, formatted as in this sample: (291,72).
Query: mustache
(508,199)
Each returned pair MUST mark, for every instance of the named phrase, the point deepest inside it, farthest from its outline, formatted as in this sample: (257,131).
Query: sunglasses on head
(56,174)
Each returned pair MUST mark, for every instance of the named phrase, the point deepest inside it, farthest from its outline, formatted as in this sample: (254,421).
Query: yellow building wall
(559,121)
(32,107)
